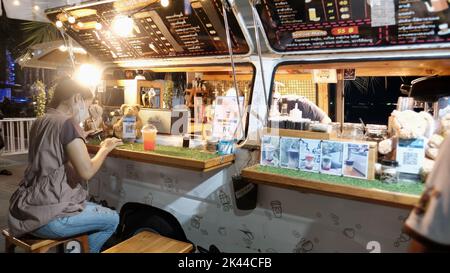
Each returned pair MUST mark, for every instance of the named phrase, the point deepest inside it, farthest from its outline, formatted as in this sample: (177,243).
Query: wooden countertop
(373,195)
(205,165)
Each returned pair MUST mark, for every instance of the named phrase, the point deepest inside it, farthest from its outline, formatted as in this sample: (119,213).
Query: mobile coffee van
(207,69)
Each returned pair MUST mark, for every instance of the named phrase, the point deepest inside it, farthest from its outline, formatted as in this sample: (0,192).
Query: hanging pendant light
(165,3)
(123,25)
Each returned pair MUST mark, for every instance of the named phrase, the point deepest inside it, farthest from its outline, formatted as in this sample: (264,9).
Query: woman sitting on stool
(51,199)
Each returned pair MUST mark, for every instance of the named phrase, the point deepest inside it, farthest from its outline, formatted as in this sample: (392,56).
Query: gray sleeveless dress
(50,187)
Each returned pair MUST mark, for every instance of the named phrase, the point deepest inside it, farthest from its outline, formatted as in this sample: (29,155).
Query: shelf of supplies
(184,158)
(299,133)
(402,194)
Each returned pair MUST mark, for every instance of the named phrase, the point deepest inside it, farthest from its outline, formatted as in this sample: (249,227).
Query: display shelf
(402,194)
(184,158)
(373,146)
(299,133)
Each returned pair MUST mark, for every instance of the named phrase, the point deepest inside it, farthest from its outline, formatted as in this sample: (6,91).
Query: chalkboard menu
(310,25)
(188,28)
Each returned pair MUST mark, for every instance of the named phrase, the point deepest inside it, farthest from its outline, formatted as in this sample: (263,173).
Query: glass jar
(284,109)
(186,140)
(389,172)
(336,128)
(211,144)
(305,124)
(353,131)
(197,142)
(283,122)
(376,132)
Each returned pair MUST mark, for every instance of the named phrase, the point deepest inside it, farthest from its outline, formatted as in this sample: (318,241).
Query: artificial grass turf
(400,187)
(167,150)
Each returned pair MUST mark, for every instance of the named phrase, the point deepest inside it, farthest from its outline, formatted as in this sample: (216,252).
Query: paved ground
(8,184)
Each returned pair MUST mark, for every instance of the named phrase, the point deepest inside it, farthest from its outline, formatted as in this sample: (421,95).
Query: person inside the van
(51,199)
(309,110)
(284,104)
(429,223)
(312,111)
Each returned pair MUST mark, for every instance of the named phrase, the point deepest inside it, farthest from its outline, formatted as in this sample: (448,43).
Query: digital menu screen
(305,25)
(186,28)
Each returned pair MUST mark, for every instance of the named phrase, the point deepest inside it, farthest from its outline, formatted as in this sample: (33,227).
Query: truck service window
(202,100)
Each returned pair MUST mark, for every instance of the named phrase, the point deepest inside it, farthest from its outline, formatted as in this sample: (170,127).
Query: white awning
(33,10)
(53,55)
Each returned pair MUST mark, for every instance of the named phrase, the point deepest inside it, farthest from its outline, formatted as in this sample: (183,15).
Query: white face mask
(83,113)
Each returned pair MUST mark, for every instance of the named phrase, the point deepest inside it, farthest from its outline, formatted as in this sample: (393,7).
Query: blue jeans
(99,222)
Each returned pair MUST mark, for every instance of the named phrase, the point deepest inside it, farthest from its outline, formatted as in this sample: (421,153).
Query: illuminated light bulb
(165,3)
(62,48)
(16,3)
(36,8)
(71,19)
(98,26)
(123,25)
(59,24)
(88,75)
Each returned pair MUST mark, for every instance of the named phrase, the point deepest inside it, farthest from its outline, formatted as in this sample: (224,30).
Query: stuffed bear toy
(95,120)
(406,125)
(435,143)
(409,125)
(445,125)
(128,110)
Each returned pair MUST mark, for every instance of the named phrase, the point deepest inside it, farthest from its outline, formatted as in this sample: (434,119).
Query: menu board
(183,29)
(306,25)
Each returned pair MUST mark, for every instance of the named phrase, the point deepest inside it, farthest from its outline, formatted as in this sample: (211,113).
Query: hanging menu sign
(183,29)
(305,25)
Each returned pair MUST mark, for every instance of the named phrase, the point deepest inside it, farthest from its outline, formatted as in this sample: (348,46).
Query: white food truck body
(284,220)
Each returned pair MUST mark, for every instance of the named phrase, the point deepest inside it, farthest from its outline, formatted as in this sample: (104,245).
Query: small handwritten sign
(325,76)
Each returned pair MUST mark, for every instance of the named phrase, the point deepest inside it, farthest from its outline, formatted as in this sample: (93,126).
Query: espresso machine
(428,90)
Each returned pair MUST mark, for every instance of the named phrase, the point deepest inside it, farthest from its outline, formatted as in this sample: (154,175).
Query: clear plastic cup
(149,132)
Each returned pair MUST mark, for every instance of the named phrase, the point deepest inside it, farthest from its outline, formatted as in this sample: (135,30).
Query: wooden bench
(37,245)
(149,242)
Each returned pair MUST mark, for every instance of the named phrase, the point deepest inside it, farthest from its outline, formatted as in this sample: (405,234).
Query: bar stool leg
(61,248)
(9,247)
(84,241)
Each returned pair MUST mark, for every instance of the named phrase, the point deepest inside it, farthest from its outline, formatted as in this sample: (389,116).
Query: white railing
(15,133)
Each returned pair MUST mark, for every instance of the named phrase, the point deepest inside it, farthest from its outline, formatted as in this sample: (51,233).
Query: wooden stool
(37,245)
(149,242)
